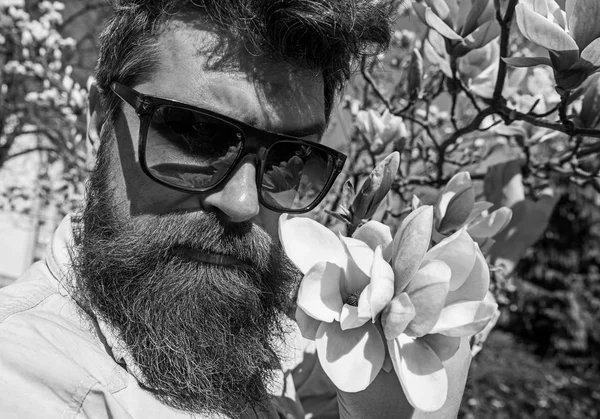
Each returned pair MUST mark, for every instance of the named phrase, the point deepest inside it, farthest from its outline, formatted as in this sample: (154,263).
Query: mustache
(168,234)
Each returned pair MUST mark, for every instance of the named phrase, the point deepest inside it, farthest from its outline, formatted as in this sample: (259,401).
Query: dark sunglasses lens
(295,175)
(189,149)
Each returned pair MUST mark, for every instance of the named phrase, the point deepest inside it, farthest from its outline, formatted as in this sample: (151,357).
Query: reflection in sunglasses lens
(189,149)
(295,175)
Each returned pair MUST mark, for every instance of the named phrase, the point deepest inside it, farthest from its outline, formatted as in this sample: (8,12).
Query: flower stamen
(352,300)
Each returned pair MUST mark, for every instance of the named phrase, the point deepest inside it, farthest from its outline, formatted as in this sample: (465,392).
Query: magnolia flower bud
(375,188)
(415,75)
(455,203)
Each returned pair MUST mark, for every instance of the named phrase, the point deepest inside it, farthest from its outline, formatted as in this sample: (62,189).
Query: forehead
(201,65)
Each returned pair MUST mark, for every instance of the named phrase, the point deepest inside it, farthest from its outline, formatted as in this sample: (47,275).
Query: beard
(202,334)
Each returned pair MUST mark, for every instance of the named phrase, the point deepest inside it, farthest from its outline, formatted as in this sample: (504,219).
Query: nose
(237,200)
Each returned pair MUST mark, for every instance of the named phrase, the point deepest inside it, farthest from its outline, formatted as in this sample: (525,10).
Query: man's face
(256,90)
(196,284)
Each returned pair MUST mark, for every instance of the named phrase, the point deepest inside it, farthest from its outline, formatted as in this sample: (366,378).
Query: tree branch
(31,150)
(505,23)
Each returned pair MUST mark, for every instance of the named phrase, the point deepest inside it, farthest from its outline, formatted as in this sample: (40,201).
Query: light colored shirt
(57,362)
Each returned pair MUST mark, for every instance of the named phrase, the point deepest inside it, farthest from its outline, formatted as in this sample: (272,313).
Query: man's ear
(95,119)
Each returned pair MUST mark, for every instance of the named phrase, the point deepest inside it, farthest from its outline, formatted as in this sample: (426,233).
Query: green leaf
(435,22)
(527,61)
(503,184)
(563,60)
(583,18)
(530,220)
(572,78)
(540,30)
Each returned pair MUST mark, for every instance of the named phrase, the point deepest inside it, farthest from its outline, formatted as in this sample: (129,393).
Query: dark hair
(323,35)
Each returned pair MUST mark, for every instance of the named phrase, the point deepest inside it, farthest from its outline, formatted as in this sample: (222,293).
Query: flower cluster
(464,24)
(456,208)
(571,37)
(379,131)
(373,301)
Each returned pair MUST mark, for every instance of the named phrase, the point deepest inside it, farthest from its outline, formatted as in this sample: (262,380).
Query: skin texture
(266,94)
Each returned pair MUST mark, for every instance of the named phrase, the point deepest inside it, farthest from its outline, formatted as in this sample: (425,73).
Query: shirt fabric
(57,362)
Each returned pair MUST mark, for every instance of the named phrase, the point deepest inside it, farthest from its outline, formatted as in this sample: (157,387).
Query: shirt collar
(59,256)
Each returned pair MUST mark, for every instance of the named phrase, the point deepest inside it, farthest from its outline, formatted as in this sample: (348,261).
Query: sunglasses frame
(145,105)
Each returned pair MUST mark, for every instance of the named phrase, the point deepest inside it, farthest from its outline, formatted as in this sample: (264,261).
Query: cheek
(133,188)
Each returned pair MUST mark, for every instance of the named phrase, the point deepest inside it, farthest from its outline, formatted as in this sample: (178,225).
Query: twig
(505,23)
(31,150)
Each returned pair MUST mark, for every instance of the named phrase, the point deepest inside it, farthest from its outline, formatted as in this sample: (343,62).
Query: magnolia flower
(374,189)
(368,293)
(456,208)
(380,130)
(572,38)
(466,25)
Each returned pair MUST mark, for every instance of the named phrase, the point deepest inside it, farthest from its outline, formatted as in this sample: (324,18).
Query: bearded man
(167,296)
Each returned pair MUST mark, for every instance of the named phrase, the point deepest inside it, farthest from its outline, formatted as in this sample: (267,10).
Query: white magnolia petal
(319,293)
(397,315)
(374,234)
(477,283)
(540,30)
(376,122)
(591,53)
(457,211)
(360,252)
(479,209)
(427,292)
(359,261)
(435,22)
(307,325)
(583,21)
(492,224)
(464,318)
(410,244)
(363,122)
(381,288)
(421,373)
(350,317)
(307,242)
(350,358)
(444,346)
(457,252)
(364,306)
(457,183)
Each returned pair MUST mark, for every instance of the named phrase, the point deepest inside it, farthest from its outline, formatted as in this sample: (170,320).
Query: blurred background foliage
(447,102)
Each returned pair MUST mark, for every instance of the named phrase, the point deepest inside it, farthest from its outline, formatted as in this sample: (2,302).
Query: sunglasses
(194,150)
